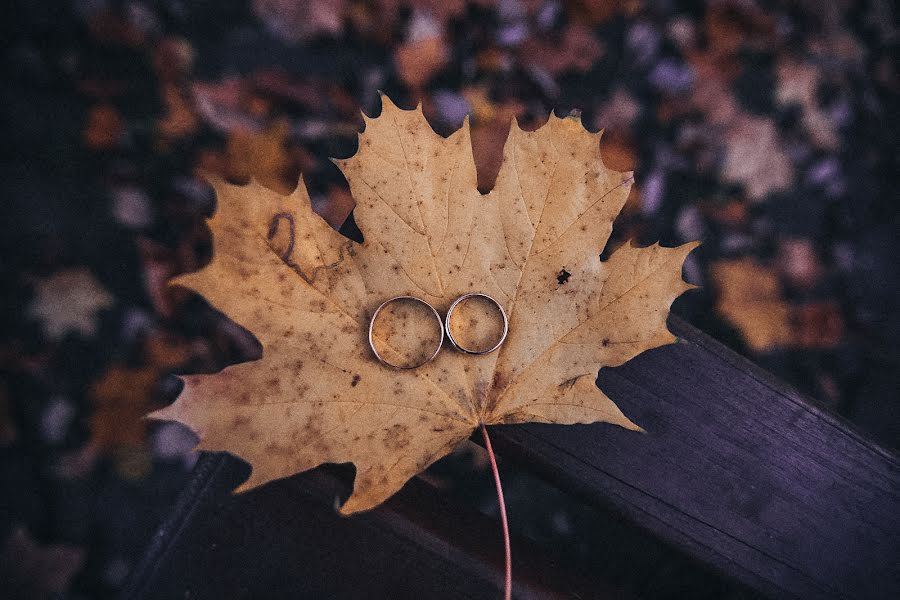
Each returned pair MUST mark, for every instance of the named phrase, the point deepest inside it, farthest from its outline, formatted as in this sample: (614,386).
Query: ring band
(457,344)
(372,325)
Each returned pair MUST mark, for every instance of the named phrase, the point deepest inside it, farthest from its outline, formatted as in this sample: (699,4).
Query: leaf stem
(507,595)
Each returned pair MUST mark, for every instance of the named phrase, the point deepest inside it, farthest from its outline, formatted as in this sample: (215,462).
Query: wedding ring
(372,326)
(462,348)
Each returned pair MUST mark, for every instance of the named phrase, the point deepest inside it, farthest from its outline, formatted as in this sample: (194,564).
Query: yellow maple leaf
(319,395)
(750,297)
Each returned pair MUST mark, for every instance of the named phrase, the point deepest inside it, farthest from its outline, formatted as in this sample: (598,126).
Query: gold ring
(468,350)
(372,325)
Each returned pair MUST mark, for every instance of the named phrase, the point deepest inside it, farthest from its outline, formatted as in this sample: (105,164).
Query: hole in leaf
(351,230)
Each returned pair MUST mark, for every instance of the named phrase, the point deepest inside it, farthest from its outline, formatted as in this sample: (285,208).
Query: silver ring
(372,325)
(467,350)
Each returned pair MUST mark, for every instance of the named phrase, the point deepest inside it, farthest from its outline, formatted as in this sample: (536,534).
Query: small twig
(507,595)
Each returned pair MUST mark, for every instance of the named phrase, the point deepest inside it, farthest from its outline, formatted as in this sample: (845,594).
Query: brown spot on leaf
(240,421)
(396,437)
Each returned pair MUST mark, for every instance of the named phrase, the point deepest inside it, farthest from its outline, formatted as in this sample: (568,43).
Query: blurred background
(768,129)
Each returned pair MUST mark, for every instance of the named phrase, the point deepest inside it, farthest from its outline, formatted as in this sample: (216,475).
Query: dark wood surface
(737,469)
(287,541)
(737,479)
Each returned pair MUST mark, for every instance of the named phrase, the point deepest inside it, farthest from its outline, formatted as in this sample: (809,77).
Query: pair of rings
(444,328)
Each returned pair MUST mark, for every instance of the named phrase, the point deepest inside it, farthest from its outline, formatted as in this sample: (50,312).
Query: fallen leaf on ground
(798,84)
(123,395)
(262,155)
(319,395)
(418,61)
(104,128)
(121,398)
(69,301)
(799,263)
(221,104)
(576,49)
(180,120)
(619,113)
(749,296)
(818,325)
(294,22)
(755,158)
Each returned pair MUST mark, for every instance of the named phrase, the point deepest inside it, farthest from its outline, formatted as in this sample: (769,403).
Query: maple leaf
(120,398)
(8,433)
(180,120)
(577,49)
(294,22)
(104,129)
(797,84)
(69,301)
(319,395)
(750,297)
(418,61)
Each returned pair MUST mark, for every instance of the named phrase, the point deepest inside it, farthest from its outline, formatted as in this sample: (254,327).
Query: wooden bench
(741,488)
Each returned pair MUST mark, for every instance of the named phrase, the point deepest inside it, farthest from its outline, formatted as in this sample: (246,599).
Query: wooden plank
(286,540)
(737,469)
(736,472)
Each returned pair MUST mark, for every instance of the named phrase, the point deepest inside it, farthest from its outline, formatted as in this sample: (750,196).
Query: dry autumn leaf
(180,120)
(261,155)
(755,157)
(319,395)
(576,49)
(798,84)
(750,298)
(69,301)
(417,62)
(488,132)
(120,398)
(125,394)
(104,129)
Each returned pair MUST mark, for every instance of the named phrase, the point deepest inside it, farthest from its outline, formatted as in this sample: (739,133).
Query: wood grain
(738,478)
(738,470)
